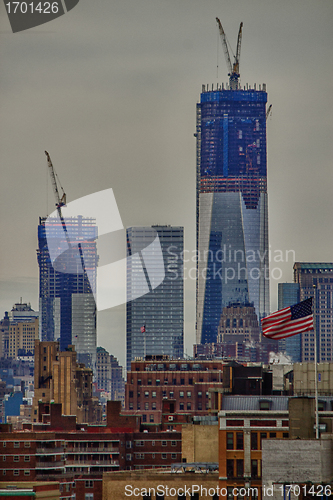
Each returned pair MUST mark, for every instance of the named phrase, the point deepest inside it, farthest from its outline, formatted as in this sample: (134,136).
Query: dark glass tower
(232,218)
(155,319)
(66,300)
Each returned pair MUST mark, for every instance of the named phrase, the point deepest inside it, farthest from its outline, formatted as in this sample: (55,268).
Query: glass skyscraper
(232,218)
(66,301)
(155,318)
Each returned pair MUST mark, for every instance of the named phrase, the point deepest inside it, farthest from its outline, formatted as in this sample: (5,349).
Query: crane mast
(232,68)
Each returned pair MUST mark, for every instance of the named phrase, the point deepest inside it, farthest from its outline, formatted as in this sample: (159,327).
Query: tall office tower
(67,305)
(232,216)
(308,274)
(155,320)
(288,295)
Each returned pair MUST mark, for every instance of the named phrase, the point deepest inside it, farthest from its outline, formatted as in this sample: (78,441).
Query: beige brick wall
(114,483)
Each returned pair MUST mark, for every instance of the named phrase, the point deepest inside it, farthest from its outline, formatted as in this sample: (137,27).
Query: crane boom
(232,68)
(60,202)
(239,42)
(224,45)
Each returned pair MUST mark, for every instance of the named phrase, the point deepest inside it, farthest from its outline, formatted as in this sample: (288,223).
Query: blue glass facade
(232,218)
(288,295)
(66,301)
(160,310)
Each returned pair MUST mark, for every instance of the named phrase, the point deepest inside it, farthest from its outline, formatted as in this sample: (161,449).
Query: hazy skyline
(110,90)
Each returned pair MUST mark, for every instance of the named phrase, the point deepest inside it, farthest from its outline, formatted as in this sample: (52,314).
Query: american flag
(143,329)
(289,321)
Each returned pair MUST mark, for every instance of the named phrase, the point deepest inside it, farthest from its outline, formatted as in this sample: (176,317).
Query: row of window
(17,444)
(142,443)
(141,456)
(235,468)
(235,441)
(16,458)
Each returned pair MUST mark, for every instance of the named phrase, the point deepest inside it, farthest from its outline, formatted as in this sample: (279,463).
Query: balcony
(50,465)
(49,451)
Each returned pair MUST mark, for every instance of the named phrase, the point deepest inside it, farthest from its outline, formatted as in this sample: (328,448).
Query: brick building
(77,455)
(244,422)
(184,382)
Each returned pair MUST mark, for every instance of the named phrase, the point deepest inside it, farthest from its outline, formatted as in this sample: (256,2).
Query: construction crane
(60,202)
(232,68)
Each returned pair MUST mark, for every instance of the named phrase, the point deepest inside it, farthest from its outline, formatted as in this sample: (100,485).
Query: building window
(131,406)
(240,467)
(146,394)
(173,456)
(182,381)
(88,496)
(239,441)
(189,394)
(146,406)
(151,418)
(89,484)
(230,440)
(188,406)
(130,394)
(254,440)
(272,434)
(153,406)
(181,406)
(16,458)
(149,381)
(173,443)
(153,394)
(27,472)
(16,444)
(27,444)
(230,468)
(164,443)
(164,455)
(16,472)
(254,468)
(27,458)
(144,418)
(4,444)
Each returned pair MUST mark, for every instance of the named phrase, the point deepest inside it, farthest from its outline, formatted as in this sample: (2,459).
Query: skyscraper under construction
(232,218)
(66,300)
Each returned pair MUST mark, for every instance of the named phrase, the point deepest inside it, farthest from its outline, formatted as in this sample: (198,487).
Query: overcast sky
(110,90)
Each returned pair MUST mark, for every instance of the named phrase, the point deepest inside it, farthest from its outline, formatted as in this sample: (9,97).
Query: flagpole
(315,356)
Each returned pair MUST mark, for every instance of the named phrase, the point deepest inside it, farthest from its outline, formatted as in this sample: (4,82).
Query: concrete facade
(296,462)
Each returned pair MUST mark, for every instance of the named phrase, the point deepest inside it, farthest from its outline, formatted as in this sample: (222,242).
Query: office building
(232,213)
(109,375)
(67,304)
(155,319)
(59,378)
(308,274)
(288,295)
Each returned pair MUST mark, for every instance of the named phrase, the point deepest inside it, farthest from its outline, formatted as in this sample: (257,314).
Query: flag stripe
(288,321)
